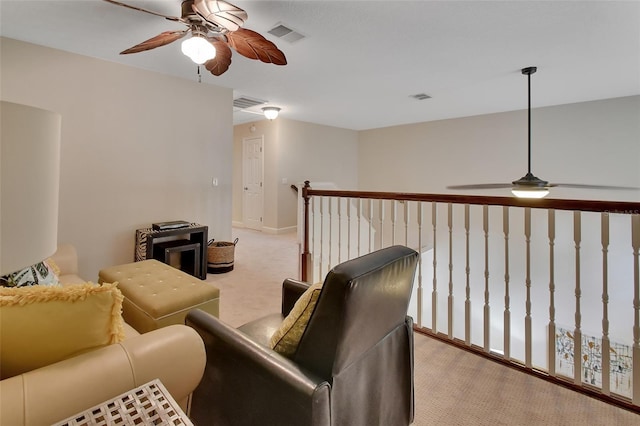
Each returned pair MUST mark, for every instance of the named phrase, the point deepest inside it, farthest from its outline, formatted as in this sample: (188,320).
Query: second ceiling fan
(215,27)
(530,186)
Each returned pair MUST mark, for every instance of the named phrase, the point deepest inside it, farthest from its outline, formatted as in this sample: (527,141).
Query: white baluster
(434,292)
(314,240)
(349,201)
(606,344)
(340,229)
(487,307)
(419,218)
(450,306)
(467,270)
(577,332)
(359,226)
(527,317)
(321,260)
(507,302)
(381,223)
(635,241)
(371,229)
(406,223)
(551,225)
(330,220)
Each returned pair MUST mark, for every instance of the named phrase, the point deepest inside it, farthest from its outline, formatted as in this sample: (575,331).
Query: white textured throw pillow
(39,274)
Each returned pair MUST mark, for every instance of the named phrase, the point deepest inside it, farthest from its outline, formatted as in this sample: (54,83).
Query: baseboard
(268,230)
(279,231)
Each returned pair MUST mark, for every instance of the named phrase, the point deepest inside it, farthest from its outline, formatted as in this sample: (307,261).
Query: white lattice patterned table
(149,404)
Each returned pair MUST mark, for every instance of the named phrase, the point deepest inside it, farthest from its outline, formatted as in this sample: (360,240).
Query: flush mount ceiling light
(271,112)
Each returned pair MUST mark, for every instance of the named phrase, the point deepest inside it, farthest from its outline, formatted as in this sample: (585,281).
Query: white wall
(137,147)
(296,151)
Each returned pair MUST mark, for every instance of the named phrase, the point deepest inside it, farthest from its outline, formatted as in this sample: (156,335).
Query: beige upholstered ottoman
(157,295)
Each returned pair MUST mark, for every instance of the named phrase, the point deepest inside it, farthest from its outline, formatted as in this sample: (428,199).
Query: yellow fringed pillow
(286,338)
(40,325)
(53,265)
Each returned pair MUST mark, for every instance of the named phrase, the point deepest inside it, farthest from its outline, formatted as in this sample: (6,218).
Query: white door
(252,162)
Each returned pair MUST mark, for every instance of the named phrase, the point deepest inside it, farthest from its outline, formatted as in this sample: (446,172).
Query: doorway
(252,177)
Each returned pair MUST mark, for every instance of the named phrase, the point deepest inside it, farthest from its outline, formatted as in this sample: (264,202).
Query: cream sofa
(173,354)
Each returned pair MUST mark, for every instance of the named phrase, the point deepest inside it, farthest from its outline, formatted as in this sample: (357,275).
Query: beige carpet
(453,387)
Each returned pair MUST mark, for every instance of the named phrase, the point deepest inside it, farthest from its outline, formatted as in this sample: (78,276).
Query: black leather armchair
(353,366)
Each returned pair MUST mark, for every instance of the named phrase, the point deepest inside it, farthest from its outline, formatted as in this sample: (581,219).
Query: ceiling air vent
(285,33)
(244,102)
(421,96)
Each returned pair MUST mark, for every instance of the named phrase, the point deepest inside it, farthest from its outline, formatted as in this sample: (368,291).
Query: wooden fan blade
(219,64)
(157,41)
(587,186)
(482,186)
(220,13)
(170,18)
(254,46)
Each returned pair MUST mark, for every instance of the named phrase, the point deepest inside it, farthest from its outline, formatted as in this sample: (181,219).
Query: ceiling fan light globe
(198,49)
(533,192)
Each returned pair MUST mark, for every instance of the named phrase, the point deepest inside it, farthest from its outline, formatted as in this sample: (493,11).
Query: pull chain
(199,76)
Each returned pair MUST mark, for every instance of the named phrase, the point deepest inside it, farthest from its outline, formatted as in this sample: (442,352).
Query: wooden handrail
(621,207)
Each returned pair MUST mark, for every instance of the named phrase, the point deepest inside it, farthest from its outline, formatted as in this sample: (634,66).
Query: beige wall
(584,143)
(137,147)
(592,142)
(295,151)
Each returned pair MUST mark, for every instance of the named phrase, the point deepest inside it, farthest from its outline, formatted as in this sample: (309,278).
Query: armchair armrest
(291,292)
(174,354)
(247,384)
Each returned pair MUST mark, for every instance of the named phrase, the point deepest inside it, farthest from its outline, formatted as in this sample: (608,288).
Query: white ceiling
(361,61)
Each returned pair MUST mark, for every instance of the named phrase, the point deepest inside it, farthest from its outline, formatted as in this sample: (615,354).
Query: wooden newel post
(306,255)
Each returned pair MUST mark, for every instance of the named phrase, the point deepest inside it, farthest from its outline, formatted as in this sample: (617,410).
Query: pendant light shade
(530,193)
(530,186)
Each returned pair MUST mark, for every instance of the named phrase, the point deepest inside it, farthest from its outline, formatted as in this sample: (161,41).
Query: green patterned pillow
(39,274)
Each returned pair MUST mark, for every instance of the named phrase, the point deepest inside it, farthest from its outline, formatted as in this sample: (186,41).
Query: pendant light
(529,186)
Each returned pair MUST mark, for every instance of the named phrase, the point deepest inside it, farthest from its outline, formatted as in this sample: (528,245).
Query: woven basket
(220,256)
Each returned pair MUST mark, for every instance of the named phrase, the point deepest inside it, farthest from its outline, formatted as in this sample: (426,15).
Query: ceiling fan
(530,186)
(215,27)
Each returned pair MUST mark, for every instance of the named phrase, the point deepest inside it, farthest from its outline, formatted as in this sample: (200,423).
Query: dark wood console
(189,243)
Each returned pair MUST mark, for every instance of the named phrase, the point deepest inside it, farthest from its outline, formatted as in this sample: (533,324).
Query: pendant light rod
(528,71)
